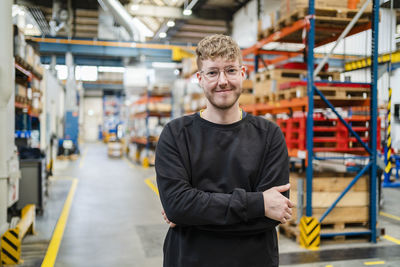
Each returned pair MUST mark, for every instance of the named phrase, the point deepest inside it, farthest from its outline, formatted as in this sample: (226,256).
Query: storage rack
(292,33)
(28,119)
(147,142)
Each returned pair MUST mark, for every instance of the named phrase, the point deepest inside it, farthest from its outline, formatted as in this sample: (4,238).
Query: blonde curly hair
(217,45)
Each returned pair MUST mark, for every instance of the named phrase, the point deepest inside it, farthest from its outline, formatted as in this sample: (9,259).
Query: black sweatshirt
(211,178)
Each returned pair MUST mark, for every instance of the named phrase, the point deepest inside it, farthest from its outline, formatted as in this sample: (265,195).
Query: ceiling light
(162,35)
(29,26)
(170,23)
(134,7)
(187,12)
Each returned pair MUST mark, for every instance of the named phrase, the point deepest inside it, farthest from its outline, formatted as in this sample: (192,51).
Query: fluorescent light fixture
(162,35)
(187,12)
(171,23)
(164,65)
(134,7)
(111,69)
(29,26)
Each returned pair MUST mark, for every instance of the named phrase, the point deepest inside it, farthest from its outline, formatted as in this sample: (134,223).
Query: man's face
(221,81)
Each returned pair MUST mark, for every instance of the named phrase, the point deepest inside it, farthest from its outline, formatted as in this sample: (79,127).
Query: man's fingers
(289,211)
(283,188)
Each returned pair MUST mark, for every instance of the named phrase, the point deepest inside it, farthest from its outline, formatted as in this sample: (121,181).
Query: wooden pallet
(330,92)
(266,98)
(321,15)
(285,75)
(293,232)
(72,157)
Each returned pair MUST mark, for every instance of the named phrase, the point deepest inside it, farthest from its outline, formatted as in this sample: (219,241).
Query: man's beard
(226,105)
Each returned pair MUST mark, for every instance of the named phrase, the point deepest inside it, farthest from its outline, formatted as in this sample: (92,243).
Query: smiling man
(222,174)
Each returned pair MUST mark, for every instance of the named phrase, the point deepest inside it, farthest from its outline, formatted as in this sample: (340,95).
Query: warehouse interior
(86,88)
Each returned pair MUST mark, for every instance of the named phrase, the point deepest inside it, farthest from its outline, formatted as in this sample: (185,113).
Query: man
(221,173)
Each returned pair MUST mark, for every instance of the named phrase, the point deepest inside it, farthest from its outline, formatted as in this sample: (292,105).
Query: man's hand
(171,224)
(276,206)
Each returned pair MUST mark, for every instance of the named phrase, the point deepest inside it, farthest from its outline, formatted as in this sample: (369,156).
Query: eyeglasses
(213,74)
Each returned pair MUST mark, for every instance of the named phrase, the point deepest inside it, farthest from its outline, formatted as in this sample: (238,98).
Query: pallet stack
(247,97)
(326,12)
(268,84)
(351,214)
(330,135)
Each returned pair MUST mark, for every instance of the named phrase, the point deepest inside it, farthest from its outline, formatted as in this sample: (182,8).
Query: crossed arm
(237,211)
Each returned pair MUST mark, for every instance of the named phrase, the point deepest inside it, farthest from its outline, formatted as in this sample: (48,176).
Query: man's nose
(222,77)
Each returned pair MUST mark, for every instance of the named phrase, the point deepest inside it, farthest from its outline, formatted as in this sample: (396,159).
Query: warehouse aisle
(115,217)
(115,220)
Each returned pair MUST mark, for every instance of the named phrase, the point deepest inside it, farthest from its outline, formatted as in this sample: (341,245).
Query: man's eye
(232,71)
(211,73)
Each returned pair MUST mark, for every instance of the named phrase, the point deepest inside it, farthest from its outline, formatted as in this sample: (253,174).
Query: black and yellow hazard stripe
(366,62)
(389,137)
(310,229)
(10,247)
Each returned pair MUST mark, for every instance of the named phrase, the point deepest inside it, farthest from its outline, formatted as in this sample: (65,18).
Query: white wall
(395,84)
(360,44)
(53,109)
(92,118)
(245,21)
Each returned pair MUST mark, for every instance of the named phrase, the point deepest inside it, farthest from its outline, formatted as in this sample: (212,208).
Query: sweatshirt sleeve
(274,172)
(185,205)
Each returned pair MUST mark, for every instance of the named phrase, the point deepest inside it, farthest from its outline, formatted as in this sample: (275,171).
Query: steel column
(374,123)
(310,93)
(7,109)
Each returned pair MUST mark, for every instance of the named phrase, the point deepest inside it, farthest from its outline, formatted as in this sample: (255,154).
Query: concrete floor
(115,220)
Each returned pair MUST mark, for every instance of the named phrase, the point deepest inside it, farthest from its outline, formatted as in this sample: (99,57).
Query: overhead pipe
(122,16)
(55,23)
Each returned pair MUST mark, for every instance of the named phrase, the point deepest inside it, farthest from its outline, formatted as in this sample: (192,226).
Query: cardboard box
(30,55)
(246,99)
(247,84)
(289,6)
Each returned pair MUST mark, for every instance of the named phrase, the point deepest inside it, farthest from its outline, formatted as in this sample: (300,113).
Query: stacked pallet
(330,135)
(326,12)
(267,84)
(247,97)
(288,6)
(351,214)
(331,90)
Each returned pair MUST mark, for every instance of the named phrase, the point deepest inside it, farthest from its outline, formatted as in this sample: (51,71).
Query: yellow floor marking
(129,163)
(82,158)
(374,262)
(151,185)
(329,266)
(394,217)
(52,250)
(390,238)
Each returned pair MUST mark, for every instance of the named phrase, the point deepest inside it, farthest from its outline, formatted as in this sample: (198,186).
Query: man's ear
(243,70)
(198,76)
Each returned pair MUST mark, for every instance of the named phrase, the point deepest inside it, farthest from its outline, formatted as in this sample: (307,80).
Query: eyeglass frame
(240,68)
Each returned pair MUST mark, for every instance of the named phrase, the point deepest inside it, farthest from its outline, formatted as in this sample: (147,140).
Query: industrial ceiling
(207,17)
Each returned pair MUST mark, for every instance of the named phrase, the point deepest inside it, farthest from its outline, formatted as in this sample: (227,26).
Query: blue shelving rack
(371,167)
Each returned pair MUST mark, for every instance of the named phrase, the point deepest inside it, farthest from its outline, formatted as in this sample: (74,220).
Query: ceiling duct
(37,14)
(122,16)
